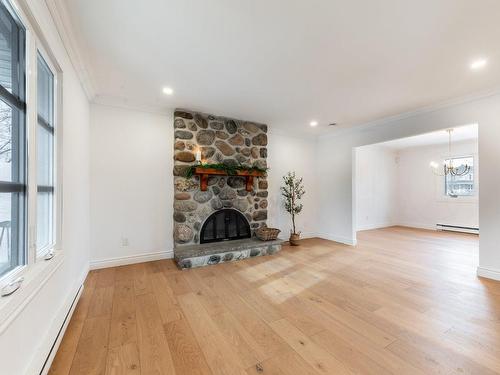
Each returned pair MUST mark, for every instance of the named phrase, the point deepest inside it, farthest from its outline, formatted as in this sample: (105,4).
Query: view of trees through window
(12,142)
(5,175)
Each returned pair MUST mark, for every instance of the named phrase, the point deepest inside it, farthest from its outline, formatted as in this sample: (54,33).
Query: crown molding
(278,131)
(64,27)
(367,126)
(124,103)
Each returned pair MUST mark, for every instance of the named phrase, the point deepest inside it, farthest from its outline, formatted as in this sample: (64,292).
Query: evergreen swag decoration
(231,170)
(292,192)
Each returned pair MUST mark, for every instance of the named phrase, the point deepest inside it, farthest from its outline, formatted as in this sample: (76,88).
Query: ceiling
(460,134)
(288,62)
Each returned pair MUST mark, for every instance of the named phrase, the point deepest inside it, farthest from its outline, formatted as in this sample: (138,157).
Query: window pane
(44,219)
(5,142)
(5,51)
(11,54)
(45,157)
(460,185)
(12,143)
(45,93)
(11,232)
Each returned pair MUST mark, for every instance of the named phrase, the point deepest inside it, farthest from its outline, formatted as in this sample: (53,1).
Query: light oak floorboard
(403,301)
(186,353)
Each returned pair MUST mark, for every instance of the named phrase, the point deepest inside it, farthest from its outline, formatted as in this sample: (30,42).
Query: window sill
(35,277)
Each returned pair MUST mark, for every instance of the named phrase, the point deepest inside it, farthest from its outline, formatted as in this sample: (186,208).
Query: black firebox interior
(225,225)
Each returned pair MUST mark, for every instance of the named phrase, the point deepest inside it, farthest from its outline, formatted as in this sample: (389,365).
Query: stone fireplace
(226,211)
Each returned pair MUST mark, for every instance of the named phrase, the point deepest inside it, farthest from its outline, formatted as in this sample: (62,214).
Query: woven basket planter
(267,234)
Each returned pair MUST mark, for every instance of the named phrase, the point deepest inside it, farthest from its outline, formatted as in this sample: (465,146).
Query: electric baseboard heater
(457,228)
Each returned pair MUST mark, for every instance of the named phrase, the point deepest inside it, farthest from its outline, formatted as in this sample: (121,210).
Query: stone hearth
(192,256)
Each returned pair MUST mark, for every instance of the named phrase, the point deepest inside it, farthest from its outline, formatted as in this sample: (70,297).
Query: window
(460,186)
(28,126)
(12,143)
(45,157)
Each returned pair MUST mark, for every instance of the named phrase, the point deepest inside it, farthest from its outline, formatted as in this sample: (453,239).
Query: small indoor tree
(292,191)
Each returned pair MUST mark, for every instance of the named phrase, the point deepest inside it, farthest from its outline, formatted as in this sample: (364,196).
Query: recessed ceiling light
(313,123)
(478,64)
(168,91)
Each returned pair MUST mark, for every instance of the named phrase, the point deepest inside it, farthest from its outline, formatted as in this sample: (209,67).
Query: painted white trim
(417,225)
(376,226)
(124,103)
(273,131)
(62,21)
(339,239)
(354,194)
(367,126)
(34,279)
(111,101)
(130,259)
(305,235)
(488,273)
(42,360)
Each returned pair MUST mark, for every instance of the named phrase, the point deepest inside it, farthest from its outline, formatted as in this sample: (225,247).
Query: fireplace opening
(225,225)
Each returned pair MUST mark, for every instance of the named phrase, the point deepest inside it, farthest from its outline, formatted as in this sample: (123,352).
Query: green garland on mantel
(231,170)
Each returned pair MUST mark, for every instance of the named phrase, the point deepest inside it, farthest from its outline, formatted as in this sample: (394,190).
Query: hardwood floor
(404,301)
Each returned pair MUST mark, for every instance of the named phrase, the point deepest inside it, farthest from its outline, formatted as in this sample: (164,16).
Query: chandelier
(448,168)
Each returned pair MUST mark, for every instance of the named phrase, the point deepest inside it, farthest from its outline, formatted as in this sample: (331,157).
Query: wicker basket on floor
(267,234)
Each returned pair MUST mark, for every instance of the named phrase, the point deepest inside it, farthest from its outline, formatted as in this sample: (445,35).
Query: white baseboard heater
(457,228)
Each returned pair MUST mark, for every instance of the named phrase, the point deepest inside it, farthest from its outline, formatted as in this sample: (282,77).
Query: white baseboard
(131,259)
(41,362)
(375,226)
(418,225)
(308,234)
(340,239)
(488,273)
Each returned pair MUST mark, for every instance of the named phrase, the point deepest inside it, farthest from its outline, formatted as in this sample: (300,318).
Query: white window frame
(38,268)
(57,201)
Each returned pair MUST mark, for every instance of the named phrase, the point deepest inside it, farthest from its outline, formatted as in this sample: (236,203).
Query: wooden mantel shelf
(205,172)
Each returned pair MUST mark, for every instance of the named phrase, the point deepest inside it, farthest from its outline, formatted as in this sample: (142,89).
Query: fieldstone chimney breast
(220,140)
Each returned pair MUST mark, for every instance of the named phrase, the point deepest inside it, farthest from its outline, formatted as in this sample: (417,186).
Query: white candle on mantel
(198,155)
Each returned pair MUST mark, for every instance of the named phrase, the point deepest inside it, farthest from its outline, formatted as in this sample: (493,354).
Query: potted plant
(292,192)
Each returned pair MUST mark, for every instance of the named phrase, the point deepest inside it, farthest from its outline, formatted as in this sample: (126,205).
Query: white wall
(397,187)
(26,342)
(289,153)
(335,158)
(421,199)
(131,185)
(376,187)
